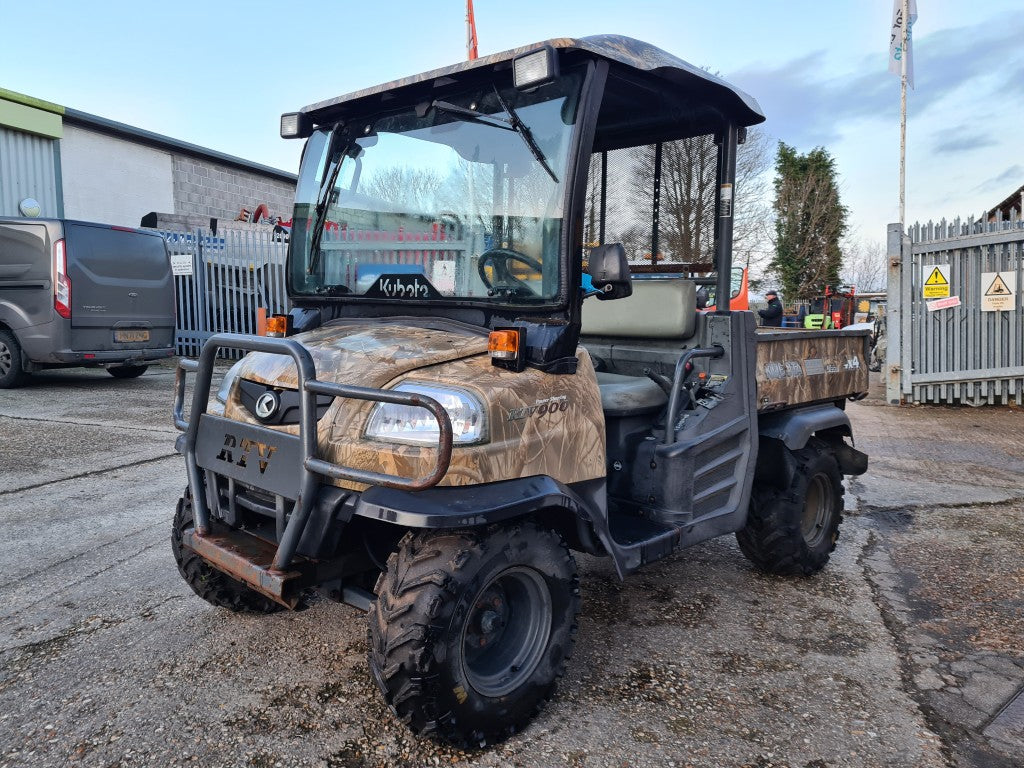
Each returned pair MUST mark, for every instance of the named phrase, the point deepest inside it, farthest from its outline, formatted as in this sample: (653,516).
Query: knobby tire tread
(426,573)
(772,539)
(206,581)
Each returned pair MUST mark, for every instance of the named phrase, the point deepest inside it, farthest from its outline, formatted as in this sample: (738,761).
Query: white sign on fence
(443,277)
(998,290)
(181,263)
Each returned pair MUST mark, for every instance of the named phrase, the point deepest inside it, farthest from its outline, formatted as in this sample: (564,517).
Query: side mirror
(609,270)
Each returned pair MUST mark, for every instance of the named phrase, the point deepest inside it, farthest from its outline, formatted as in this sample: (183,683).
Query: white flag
(896,52)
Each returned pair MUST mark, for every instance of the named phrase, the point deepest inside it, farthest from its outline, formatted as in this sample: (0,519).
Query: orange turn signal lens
(503,345)
(277,325)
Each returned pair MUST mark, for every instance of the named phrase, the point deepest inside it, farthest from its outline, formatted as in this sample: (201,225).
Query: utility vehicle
(463,397)
(81,294)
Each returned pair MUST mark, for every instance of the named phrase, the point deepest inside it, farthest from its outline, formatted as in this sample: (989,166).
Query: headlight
(229,379)
(411,424)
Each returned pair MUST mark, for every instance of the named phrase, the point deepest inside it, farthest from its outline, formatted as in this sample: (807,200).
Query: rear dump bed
(122,294)
(795,367)
(646,333)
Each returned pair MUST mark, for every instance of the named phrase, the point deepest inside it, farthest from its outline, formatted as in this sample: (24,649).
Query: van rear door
(122,290)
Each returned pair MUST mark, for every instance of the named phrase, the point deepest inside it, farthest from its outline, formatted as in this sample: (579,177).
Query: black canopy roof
(680,83)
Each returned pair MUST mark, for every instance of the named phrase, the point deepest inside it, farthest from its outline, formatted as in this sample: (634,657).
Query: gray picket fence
(221,279)
(955,354)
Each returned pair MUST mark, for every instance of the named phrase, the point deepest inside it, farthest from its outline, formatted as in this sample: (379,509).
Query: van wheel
(206,581)
(471,630)
(127,371)
(794,530)
(11,372)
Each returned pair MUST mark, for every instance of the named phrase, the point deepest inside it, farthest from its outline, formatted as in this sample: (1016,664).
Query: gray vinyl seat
(652,323)
(630,395)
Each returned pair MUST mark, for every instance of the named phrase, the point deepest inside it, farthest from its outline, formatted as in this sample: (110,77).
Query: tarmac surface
(905,651)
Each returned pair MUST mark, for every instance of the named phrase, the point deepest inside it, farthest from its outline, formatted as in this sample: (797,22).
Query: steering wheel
(505,283)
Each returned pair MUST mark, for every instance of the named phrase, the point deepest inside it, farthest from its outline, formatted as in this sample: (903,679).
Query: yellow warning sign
(936,282)
(999,291)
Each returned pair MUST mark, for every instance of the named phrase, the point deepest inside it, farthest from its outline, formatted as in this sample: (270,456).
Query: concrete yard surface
(906,651)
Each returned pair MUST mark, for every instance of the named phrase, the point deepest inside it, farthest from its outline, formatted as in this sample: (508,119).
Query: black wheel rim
(506,631)
(817,510)
(6,359)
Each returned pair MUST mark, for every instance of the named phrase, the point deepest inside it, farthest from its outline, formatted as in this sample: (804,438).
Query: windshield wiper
(521,128)
(323,199)
(513,123)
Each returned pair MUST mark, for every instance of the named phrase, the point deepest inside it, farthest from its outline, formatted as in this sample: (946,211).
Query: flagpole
(905,32)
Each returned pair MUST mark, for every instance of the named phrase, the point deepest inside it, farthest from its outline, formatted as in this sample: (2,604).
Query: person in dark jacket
(772,314)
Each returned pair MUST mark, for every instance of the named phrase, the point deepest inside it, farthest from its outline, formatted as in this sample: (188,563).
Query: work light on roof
(535,68)
(296,125)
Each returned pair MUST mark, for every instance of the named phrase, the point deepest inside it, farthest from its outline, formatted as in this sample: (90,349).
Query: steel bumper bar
(311,466)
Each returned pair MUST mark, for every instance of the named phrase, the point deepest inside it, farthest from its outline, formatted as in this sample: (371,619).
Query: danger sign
(936,282)
(998,291)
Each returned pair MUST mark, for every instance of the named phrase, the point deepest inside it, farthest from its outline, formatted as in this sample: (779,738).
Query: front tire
(794,530)
(206,581)
(127,371)
(471,630)
(11,372)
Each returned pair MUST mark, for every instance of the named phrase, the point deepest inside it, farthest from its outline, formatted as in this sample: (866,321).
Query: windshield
(736,285)
(457,198)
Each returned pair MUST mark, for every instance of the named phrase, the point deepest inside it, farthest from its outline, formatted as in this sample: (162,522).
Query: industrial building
(59,162)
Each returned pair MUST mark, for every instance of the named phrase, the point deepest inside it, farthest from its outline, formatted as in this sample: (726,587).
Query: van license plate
(131,335)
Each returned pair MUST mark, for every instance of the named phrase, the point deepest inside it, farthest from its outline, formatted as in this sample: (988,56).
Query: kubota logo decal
(244,450)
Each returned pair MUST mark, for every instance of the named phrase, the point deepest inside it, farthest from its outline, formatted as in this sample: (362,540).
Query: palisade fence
(221,279)
(966,346)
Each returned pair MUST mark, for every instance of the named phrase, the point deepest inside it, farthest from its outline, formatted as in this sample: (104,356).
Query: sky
(219,74)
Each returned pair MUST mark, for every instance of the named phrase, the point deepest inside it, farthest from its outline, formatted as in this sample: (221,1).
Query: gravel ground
(903,652)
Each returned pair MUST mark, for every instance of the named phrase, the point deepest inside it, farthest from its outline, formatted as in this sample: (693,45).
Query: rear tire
(794,530)
(206,581)
(127,371)
(471,630)
(11,372)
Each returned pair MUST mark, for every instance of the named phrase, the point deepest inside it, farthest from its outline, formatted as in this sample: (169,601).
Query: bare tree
(864,265)
(687,196)
(415,189)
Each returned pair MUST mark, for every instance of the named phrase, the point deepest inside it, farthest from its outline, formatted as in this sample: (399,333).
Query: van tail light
(61,281)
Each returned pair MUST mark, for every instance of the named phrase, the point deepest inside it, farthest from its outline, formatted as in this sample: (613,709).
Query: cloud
(963,139)
(805,107)
(1012,176)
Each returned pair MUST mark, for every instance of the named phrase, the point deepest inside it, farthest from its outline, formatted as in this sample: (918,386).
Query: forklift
(455,406)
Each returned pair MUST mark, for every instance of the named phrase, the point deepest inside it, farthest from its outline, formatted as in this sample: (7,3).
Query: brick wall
(205,188)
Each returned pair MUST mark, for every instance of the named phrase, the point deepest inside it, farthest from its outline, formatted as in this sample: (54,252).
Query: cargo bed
(798,367)
(794,366)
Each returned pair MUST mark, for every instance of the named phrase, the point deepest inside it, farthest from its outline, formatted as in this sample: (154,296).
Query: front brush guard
(272,458)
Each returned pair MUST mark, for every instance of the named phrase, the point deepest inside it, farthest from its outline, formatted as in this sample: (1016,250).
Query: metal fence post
(908,303)
(200,277)
(893,316)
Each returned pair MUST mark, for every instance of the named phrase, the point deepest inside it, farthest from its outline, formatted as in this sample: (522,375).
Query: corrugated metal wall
(27,170)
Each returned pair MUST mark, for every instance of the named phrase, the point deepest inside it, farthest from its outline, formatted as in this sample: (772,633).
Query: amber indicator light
(277,325)
(503,345)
